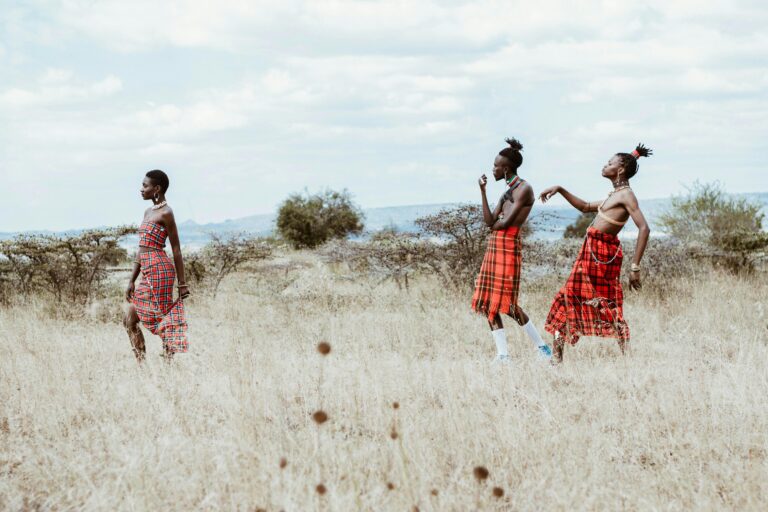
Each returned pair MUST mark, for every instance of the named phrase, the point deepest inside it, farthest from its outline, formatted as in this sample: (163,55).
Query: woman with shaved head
(151,302)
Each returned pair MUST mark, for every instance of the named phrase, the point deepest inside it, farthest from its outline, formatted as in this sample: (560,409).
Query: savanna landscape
(351,377)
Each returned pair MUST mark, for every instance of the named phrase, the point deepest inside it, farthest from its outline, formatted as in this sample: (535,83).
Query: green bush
(307,221)
(728,230)
(578,228)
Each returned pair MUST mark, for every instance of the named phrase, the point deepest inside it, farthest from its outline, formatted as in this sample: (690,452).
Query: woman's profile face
(148,189)
(612,168)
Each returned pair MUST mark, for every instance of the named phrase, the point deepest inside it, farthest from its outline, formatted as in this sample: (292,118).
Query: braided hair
(512,153)
(629,160)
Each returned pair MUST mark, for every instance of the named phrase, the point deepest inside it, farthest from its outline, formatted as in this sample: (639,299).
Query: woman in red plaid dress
(498,283)
(151,302)
(592,301)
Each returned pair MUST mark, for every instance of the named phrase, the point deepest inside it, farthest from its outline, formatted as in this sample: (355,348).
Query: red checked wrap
(153,297)
(591,303)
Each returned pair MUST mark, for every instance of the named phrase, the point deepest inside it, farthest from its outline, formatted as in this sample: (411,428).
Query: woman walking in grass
(592,301)
(151,302)
(498,284)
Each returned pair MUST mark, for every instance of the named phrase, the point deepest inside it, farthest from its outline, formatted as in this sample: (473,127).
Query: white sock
(500,337)
(532,333)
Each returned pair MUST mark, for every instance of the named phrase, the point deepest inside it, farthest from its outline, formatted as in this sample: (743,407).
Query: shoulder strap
(508,193)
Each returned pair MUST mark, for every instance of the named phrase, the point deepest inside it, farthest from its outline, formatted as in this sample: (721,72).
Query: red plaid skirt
(498,283)
(153,300)
(592,302)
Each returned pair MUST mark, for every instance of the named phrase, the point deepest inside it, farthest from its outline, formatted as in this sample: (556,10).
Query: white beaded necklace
(159,205)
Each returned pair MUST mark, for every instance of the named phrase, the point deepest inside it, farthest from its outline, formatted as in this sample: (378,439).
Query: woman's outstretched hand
(547,193)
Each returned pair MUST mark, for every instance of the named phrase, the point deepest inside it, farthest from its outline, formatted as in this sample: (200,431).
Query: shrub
(73,268)
(462,235)
(727,230)
(578,228)
(222,256)
(307,221)
(388,255)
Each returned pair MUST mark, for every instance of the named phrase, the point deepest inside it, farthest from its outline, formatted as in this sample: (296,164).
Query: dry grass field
(680,423)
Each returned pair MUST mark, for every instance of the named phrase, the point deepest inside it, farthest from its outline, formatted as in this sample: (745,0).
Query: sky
(243,102)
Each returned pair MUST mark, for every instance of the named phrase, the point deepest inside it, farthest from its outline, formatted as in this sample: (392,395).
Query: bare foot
(557,351)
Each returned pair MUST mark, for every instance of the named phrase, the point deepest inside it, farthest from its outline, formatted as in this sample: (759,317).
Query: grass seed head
(393,434)
(321,489)
(498,492)
(434,492)
(324,348)
(320,417)
(481,473)
(283,462)
(390,486)
(395,405)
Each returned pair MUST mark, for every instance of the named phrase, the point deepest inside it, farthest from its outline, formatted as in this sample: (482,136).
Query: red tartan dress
(153,297)
(498,284)
(592,302)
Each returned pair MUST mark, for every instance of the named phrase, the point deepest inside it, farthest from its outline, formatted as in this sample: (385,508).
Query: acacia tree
(462,237)
(70,268)
(307,221)
(223,255)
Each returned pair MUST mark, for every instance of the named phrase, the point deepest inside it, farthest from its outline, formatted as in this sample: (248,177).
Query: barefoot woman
(592,302)
(152,301)
(498,283)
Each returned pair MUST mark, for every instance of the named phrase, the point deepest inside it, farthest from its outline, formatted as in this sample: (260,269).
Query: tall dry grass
(678,424)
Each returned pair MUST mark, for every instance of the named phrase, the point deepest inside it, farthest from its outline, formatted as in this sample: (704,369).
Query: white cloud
(256,99)
(56,87)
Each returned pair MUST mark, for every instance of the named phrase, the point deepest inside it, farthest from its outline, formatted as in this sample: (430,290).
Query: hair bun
(514,144)
(641,150)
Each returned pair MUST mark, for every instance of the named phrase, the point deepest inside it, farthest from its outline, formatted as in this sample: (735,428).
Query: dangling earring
(156,198)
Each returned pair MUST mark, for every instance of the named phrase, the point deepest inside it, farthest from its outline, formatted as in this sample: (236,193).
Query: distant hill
(548,222)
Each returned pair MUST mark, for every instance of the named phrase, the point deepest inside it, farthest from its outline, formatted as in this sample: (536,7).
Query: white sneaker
(501,359)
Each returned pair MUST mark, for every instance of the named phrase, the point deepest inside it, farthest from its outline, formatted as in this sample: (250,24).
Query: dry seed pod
(320,417)
(321,489)
(498,492)
(481,473)
(324,348)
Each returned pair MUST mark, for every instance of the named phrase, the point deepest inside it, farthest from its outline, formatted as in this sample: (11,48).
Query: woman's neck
(620,183)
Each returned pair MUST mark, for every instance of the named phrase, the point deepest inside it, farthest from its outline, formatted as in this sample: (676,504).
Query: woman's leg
(557,352)
(131,323)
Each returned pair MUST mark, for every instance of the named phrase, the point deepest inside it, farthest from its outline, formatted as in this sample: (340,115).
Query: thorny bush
(74,268)
(223,255)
